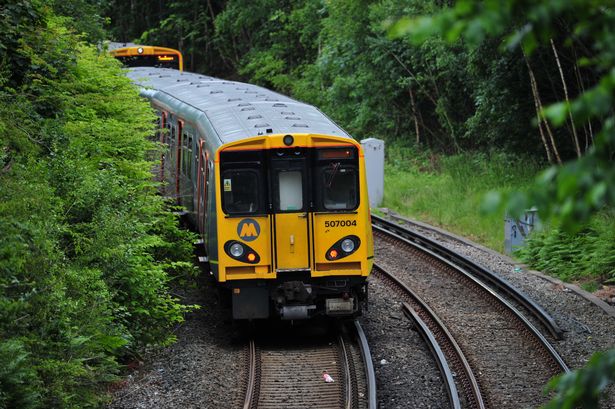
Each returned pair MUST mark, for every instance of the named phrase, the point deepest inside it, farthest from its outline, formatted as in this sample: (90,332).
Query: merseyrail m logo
(248,229)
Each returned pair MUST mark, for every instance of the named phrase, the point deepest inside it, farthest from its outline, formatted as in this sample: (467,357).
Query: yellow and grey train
(276,189)
(134,55)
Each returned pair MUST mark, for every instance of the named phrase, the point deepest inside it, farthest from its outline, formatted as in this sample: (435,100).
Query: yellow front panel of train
(252,234)
(332,229)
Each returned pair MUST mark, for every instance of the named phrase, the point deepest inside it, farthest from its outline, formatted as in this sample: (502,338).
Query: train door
(289,188)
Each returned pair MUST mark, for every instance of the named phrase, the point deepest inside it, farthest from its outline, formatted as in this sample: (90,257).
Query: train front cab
(148,56)
(294,231)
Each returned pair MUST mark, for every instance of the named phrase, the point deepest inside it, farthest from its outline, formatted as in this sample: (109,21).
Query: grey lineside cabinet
(374,165)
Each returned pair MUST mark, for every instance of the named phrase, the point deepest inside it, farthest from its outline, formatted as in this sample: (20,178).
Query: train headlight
(343,248)
(140,50)
(347,245)
(288,140)
(236,250)
(241,252)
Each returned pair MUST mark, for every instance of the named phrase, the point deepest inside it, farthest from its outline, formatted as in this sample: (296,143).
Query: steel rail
(469,382)
(438,354)
(370,373)
(474,269)
(345,355)
(487,290)
(251,387)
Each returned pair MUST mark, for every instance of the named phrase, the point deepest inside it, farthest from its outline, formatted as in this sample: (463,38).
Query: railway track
(495,282)
(292,375)
(499,357)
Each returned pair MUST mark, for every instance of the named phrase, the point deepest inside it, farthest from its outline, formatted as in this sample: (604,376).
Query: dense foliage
(338,55)
(85,242)
(573,192)
(588,256)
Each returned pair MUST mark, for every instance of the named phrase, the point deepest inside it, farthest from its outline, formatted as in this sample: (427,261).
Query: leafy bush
(586,386)
(588,255)
(85,241)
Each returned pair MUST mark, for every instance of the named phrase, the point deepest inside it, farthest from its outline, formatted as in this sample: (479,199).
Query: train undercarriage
(298,296)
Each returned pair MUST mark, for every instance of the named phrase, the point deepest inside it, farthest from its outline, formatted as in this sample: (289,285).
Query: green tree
(573,192)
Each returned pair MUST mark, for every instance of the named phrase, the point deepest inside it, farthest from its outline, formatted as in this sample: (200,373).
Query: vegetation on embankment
(87,248)
(586,257)
(449,191)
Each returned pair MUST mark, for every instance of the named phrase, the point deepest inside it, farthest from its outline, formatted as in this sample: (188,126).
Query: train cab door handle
(303,215)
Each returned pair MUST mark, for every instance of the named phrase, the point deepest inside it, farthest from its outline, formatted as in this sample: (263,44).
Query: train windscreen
(337,181)
(243,182)
(161,61)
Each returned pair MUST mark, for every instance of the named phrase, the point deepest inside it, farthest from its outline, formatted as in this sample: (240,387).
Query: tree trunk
(589,132)
(414,116)
(541,120)
(575,137)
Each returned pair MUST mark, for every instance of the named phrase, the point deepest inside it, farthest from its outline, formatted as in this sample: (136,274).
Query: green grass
(448,191)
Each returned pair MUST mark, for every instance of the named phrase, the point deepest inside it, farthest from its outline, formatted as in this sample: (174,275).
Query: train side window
(290,188)
(205,186)
(172,144)
(240,192)
(188,157)
(167,133)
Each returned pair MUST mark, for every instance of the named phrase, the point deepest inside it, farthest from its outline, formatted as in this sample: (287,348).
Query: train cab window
(242,182)
(290,188)
(337,180)
(240,191)
(339,188)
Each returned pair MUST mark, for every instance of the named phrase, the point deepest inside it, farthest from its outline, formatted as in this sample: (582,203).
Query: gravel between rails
(587,327)
(409,378)
(203,369)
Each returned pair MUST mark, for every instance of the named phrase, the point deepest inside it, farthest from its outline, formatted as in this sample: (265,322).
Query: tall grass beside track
(448,191)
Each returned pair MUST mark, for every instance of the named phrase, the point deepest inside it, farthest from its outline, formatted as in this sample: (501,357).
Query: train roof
(112,45)
(235,110)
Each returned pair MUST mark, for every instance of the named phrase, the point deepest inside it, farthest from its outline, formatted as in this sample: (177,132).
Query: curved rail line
(496,297)
(474,269)
(438,354)
(370,373)
(440,340)
(286,377)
